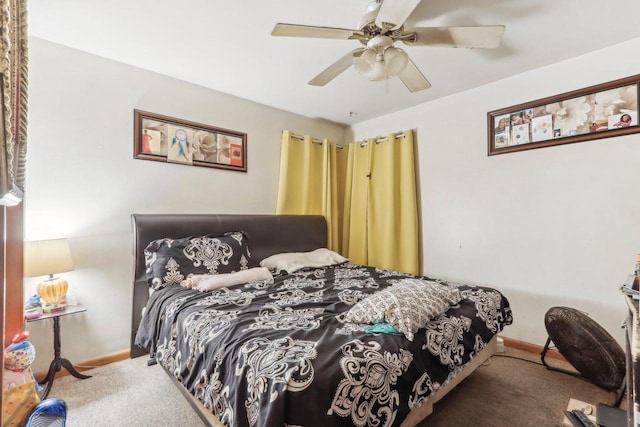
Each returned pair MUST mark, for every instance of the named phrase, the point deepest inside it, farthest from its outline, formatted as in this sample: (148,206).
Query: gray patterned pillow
(407,306)
(170,261)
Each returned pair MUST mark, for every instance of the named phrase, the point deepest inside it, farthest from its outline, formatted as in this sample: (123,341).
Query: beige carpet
(511,392)
(505,392)
(124,394)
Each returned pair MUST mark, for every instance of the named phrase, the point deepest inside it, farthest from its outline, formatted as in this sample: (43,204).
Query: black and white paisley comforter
(281,354)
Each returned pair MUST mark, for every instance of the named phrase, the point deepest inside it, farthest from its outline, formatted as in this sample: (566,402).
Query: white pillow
(407,306)
(209,282)
(294,261)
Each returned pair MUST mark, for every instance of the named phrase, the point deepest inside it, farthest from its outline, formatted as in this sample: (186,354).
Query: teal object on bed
(381,328)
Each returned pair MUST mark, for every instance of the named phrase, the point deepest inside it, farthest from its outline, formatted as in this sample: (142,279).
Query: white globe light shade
(365,62)
(379,71)
(396,60)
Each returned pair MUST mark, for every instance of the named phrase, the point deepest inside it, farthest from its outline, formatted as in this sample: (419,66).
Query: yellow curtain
(338,157)
(308,183)
(381,212)
(366,190)
(304,176)
(356,203)
(393,209)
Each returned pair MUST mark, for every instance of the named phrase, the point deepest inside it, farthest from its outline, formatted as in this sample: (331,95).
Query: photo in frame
(167,139)
(601,111)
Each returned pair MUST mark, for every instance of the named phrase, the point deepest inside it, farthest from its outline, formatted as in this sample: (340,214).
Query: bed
(287,351)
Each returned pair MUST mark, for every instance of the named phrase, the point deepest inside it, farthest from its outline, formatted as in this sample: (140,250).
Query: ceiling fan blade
(487,36)
(393,13)
(293,30)
(413,79)
(333,70)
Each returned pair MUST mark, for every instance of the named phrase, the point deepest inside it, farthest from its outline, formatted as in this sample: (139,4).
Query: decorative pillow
(170,261)
(294,261)
(209,282)
(407,306)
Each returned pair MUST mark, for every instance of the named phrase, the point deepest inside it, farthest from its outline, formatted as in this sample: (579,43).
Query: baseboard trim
(88,364)
(532,348)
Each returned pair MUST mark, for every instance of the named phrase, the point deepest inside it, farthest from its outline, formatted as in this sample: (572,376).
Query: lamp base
(52,308)
(53,290)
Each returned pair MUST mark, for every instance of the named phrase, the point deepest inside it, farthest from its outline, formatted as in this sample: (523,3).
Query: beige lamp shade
(47,257)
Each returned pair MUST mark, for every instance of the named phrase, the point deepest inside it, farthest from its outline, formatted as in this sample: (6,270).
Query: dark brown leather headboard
(266,235)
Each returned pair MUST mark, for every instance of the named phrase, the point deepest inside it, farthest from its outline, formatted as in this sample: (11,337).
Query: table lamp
(48,257)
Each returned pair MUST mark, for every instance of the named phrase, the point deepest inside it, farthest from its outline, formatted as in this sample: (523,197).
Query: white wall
(555,226)
(83,183)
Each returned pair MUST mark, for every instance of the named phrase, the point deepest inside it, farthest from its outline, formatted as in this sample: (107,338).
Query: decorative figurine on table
(19,355)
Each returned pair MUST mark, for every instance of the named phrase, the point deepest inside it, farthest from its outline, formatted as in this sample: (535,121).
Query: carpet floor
(506,391)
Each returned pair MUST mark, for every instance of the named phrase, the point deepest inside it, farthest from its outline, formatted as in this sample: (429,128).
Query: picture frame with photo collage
(601,111)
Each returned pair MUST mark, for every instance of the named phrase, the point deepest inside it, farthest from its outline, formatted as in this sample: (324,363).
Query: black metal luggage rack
(632,335)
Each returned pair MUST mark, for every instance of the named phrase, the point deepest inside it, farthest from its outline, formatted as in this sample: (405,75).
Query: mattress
(281,352)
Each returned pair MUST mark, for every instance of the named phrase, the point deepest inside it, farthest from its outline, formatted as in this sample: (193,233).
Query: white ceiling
(227,46)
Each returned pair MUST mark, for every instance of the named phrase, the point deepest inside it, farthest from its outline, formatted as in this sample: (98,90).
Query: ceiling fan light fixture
(377,64)
(396,60)
(382,25)
(379,71)
(365,62)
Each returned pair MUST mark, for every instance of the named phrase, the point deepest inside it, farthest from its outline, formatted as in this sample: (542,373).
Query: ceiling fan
(380,27)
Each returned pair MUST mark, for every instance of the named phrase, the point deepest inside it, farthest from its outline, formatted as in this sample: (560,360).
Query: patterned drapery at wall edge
(13,96)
